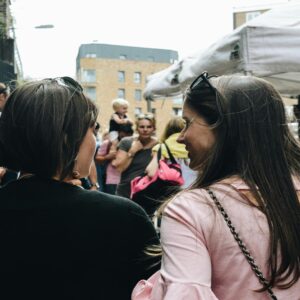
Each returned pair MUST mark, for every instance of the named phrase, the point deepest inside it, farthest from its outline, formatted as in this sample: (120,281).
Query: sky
(185,26)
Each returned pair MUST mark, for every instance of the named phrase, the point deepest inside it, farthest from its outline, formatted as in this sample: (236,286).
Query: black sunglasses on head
(202,81)
(203,78)
(68,82)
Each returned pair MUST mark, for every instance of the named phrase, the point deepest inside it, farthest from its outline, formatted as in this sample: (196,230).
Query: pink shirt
(104,147)
(112,174)
(201,260)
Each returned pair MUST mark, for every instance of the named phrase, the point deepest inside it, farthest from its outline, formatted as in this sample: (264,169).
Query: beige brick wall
(239,18)
(107,86)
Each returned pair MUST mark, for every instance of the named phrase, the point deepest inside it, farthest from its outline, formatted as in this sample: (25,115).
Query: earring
(76,174)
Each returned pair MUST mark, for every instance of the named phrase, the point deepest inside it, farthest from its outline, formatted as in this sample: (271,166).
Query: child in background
(118,118)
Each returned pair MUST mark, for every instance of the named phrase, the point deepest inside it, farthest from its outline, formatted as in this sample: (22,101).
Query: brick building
(110,71)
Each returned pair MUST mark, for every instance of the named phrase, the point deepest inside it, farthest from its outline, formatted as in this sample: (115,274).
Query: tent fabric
(267,46)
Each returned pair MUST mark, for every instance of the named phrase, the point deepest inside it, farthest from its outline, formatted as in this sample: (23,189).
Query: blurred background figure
(118,118)
(178,150)
(152,199)
(101,160)
(134,153)
(105,155)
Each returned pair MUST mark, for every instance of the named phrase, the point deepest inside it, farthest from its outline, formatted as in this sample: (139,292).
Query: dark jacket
(59,241)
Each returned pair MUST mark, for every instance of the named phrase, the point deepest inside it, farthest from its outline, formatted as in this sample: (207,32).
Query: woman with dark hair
(59,241)
(235,233)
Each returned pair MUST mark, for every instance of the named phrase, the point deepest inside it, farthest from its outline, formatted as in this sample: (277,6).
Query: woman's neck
(149,142)
(146,141)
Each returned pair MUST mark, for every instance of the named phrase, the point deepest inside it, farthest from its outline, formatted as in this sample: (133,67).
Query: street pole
(149,108)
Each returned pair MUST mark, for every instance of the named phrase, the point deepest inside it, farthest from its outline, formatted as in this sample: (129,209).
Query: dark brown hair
(253,141)
(42,126)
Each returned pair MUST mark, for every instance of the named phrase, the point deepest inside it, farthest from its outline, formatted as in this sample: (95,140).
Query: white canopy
(267,46)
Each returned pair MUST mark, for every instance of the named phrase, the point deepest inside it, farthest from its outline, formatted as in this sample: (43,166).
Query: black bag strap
(241,244)
(171,157)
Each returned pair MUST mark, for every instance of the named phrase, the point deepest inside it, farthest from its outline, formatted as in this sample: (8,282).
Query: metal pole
(149,108)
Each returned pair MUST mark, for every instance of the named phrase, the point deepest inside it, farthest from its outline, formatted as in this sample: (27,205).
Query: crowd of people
(230,231)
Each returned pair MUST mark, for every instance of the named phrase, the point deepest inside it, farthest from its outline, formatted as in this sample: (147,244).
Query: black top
(136,168)
(59,241)
(113,125)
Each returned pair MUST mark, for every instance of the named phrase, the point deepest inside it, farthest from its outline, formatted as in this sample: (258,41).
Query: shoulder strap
(172,158)
(159,153)
(241,244)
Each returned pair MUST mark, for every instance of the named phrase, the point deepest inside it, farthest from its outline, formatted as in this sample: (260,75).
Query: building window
(137,77)
(138,95)
(177,100)
(88,76)
(153,110)
(137,111)
(123,56)
(91,55)
(251,15)
(121,93)
(121,76)
(177,111)
(90,92)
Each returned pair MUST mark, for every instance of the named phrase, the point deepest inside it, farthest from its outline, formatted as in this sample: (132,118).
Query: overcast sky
(186,26)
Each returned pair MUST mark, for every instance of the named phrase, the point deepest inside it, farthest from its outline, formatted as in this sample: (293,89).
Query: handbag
(150,192)
(241,244)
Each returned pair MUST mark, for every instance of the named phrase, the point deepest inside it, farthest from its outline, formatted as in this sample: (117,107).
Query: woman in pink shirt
(246,197)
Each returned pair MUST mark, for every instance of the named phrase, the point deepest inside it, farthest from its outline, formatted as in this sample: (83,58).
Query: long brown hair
(253,141)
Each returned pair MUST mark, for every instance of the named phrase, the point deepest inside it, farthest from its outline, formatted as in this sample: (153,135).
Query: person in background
(101,164)
(151,200)
(105,155)
(58,240)
(118,118)
(234,234)
(134,153)
(178,150)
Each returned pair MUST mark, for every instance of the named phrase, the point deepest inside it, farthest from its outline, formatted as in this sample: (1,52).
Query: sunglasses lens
(201,78)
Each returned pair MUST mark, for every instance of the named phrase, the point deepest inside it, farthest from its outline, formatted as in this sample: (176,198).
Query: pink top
(104,147)
(113,176)
(201,258)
